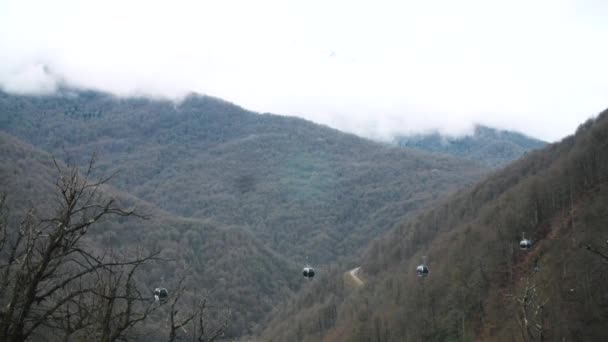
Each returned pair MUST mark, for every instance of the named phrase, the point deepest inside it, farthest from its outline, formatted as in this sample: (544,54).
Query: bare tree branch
(49,280)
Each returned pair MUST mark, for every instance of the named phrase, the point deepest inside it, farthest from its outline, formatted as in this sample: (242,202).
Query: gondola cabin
(161,294)
(308,272)
(422,270)
(525,244)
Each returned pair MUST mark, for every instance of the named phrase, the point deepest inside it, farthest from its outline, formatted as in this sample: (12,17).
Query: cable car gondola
(308,272)
(161,294)
(525,244)
(422,270)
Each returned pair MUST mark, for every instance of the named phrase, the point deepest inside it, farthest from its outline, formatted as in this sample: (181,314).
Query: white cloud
(32,78)
(373,68)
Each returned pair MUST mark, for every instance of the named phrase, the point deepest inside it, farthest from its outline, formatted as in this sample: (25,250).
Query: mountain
(227,261)
(482,286)
(490,146)
(304,190)
(241,199)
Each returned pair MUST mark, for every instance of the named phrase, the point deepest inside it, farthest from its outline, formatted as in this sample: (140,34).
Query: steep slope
(228,262)
(302,189)
(481,285)
(490,146)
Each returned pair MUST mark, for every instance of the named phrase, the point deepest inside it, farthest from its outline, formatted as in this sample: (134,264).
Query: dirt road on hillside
(353,274)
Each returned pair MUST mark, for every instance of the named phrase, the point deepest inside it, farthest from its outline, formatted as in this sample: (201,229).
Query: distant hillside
(304,190)
(489,146)
(481,286)
(243,199)
(229,262)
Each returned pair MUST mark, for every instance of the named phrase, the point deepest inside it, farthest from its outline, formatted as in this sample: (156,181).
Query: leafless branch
(50,280)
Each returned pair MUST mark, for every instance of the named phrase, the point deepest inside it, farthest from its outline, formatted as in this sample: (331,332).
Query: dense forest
(226,262)
(482,286)
(490,146)
(235,201)
(304,190)
(303,171)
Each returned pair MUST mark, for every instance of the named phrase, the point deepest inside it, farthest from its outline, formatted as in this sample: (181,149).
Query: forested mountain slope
(302,189)
(225,261)
(481,285)
(489,146)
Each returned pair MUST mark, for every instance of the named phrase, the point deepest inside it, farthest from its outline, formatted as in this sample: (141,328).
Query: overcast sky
(374,68)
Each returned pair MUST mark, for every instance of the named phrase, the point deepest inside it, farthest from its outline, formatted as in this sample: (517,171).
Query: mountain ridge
(234,186)
(203,157)
(191,247)
(489,146)
(481,285)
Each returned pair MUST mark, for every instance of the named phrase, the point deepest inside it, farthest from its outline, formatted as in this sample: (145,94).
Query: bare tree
(205,332)
(531,311)
(597,251)
(198,317)
(176,324)
(50,283)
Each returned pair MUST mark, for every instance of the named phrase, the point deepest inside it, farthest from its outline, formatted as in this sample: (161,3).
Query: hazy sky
(370,67)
